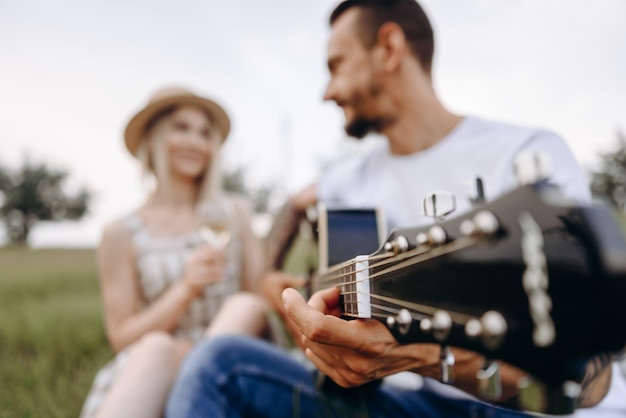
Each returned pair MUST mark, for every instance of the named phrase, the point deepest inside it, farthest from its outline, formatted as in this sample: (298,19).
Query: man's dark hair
(407,14)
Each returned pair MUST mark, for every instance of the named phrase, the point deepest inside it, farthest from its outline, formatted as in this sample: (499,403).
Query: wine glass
(215,229)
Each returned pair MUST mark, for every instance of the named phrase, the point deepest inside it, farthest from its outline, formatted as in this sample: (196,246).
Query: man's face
(353,83)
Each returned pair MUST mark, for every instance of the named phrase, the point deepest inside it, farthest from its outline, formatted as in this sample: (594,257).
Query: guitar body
(544,289)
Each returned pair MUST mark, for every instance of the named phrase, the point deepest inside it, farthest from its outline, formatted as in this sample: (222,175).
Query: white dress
(160,264)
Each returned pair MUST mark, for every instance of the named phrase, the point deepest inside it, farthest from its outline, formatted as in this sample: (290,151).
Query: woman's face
(188,141)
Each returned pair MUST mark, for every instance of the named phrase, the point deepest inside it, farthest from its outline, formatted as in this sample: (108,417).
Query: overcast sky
(73,72)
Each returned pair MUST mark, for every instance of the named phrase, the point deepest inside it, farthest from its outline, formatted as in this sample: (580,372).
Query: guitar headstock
(530,279)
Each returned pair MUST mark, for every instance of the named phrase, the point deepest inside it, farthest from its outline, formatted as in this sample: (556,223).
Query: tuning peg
(494,329)
(484,223)
(447,361)
(399,245)
(402,321)
(532,167)
(438,205)
(441,325)
(490,381)
(435,236)
(476,191)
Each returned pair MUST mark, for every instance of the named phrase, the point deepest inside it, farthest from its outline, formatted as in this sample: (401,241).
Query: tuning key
(476,191)
(438,205)
(426,325)
(490,381)
(402,321)
(399,245)
(442,325)
(532,167)
(468,228)
(421,239)
(435,236)
(473,329)
(494,329)
(483,223)
(486,222)
(447,362)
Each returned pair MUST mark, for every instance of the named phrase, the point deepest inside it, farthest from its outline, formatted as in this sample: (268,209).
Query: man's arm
(281,236)
(597,380)
(286,224)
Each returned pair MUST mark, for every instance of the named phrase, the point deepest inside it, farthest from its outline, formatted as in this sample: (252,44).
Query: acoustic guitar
(529,278)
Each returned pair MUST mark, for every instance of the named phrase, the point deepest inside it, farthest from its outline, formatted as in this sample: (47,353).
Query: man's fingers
(303,315)
(325,301)
(313,319)
(326,369)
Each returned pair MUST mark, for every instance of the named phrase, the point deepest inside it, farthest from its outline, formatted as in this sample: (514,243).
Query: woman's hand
(204,266)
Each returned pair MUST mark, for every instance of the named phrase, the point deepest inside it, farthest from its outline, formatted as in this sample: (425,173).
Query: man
(379,59)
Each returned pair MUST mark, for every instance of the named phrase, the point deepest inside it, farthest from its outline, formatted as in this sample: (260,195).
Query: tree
(35,193)
(235,181)
(610,179)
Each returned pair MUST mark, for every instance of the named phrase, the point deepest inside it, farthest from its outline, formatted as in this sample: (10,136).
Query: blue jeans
(236,376)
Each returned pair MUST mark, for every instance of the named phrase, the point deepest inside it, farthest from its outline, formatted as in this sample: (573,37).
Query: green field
(52,339)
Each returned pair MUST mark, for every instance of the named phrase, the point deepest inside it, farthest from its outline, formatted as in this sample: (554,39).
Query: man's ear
(392,46)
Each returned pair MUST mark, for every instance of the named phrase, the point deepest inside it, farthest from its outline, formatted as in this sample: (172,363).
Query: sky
(72,73)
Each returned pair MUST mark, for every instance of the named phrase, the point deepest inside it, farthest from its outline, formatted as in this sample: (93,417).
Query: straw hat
(164,98)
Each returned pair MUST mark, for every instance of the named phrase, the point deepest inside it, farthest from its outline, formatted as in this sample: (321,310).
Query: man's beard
(361,126)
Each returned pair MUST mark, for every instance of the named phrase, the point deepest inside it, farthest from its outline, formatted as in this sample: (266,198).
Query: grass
(52,338)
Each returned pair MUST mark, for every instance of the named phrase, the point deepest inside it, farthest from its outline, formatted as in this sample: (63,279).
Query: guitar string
(329,277)
(424,310)
(410,258)
(353,262)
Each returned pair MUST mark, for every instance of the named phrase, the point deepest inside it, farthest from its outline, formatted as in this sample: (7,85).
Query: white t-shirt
(397,184)
(475,148)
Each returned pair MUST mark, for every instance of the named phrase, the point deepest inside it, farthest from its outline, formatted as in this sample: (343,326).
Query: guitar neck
(352,278)
(549,278)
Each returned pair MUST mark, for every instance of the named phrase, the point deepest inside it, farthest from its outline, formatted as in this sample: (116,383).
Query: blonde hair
(153,156)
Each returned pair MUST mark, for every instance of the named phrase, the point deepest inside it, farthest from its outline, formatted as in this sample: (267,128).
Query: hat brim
(136,129)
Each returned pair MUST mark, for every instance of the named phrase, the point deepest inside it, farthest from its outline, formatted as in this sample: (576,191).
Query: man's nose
(329,93)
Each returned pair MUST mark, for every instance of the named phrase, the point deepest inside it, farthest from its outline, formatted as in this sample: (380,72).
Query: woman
(184,264)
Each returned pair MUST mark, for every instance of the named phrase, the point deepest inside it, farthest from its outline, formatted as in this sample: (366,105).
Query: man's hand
(351,353)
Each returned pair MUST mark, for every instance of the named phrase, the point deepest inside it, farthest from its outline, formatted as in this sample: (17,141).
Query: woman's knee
(155,345)
(245,301)
(241,313)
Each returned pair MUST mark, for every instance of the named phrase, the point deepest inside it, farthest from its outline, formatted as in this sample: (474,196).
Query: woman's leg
(242,313)
(142,387)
